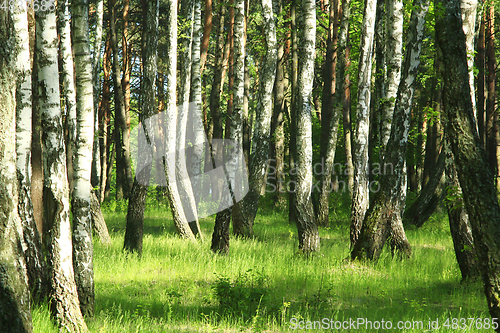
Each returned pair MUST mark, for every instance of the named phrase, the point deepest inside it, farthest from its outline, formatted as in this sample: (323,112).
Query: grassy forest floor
(263,285)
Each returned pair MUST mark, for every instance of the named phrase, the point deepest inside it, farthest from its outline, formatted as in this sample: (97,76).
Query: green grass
(263,283)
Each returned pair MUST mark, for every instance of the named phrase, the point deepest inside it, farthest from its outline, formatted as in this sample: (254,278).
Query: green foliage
(242,296)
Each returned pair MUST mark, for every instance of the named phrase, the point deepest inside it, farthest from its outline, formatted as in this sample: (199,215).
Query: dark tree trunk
(275,179)
(124,171)
(207,29)
(330,115)
(105,120)
(480,64)
(137,200)
(429,198)
(461,233)
(475,177)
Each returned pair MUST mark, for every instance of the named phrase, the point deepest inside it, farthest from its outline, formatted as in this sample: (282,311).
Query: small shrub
(244,295)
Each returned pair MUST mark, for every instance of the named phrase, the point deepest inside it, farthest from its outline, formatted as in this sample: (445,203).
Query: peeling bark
(64,302)
(15,314)
(383,218)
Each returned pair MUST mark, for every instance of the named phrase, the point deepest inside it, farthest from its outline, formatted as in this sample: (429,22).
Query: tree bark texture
(475,177)
(68,83)
(15,314)
(244,211)
(220,239)
(83,250)
(383,218)
(306,226)
(429,198)
(34,257)
(137,201)
(330,115)
(360,193)
(64,302)
(461,233)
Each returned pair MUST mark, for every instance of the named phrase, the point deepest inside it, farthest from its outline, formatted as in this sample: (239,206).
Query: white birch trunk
(96,68)
(170,124)
(195,136)
(360,193)
(468,10)
(306,227)
(383,220)
(182,176)
(68,79)
(64,298)
(245,211)
(14,293)
(32,245)
(80,204)
(394,53)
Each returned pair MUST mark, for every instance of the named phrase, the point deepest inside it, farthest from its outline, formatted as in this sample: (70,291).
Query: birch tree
(183,181)
(306,226)
(170,124)
(468,10)
(14,293)
(80,203)
(394,53)
(96,68)
(220,236)
(322,210)
(476,179)
(383,219)
(35,260)
(360,193)
(137,201)
(245,211)
(68,80)
(63,294)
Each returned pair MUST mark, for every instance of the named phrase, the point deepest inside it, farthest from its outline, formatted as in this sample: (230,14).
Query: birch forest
(249,166)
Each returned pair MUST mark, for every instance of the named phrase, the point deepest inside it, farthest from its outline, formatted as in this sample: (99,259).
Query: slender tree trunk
(217,84)
(476,179)
(276,166)
(170,121)
(394,53)
(330,115)
(207,29)
(182,176)
(68,84)
(383,218)
(244,212)
(34,257)
(360,196)
(306,227)
(220,237)
(461,233)
(346,106)
(480,64)
(105,120)
(121,137)
(292,142)
(195,132)
(468,11)
(14,292)
(98,223)
(63,295)
(429,198)
(96,69)
(137,200)
(83,250)
(491,114)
